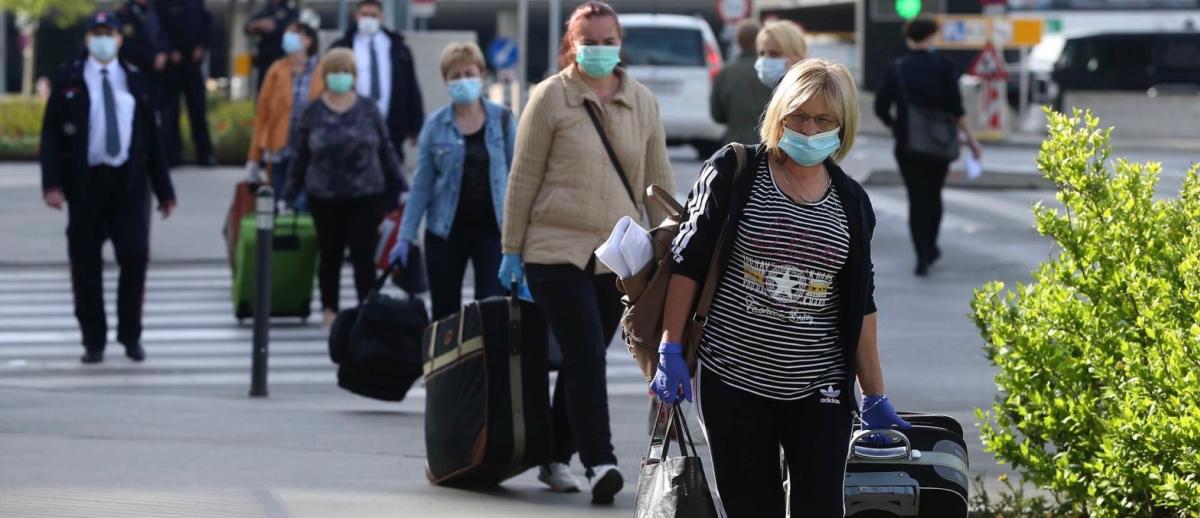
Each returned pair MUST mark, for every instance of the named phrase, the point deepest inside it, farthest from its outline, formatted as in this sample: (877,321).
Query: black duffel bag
(377,345)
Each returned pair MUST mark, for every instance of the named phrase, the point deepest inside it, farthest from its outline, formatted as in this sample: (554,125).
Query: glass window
(1180,55)
(662,47)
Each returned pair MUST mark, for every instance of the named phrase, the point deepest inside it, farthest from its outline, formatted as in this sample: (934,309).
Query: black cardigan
(716,199)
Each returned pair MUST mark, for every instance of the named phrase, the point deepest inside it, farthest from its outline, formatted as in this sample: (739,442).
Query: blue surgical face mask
(770,70)
(598,61)
(103,48)
(292,43)
(810,151)
(466,90)
(339,82)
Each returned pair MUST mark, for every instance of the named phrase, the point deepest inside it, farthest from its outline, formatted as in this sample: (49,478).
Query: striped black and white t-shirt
(772,328)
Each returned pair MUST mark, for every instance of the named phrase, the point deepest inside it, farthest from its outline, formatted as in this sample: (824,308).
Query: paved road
(177,436)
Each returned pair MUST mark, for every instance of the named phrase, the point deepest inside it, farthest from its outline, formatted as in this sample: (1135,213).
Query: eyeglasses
(797,121)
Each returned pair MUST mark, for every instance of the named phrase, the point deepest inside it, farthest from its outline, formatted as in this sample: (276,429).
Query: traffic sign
(422,8)
(960,32)
(733,11)
(973,31)
(988,65)
(502,53)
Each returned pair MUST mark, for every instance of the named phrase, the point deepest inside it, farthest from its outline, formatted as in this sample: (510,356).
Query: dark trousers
(924,179)
(582,310)
(109,206)
(278,172)
(187,79)
(745,433)
(446,263)
(350,223)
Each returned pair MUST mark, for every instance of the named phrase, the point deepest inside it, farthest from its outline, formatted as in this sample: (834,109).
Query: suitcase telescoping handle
(886,453)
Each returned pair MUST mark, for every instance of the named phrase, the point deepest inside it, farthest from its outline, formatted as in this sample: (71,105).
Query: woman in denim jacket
(463,156)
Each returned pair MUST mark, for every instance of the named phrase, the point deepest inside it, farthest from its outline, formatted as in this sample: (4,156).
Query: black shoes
(92,357)
(135,352)
(923,266)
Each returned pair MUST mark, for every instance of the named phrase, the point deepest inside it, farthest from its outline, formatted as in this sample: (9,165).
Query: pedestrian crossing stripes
(191,336)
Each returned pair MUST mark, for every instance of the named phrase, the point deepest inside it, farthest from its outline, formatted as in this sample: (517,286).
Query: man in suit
(188,26)
(385,72)
(101,155)
(144,41)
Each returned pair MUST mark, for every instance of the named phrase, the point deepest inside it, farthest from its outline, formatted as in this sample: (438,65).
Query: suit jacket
(64,147)
(406,111)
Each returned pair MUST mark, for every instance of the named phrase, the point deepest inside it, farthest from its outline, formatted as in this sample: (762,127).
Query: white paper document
(636,248)
(609,253)
(973,168)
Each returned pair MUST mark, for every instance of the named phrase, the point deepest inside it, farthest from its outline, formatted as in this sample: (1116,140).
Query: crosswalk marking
(191,336)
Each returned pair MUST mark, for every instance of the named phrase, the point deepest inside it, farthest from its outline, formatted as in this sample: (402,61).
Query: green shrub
(1099,357)
(20,126)
(230,124)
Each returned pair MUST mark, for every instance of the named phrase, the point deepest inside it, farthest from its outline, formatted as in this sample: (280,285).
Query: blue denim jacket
(438,180)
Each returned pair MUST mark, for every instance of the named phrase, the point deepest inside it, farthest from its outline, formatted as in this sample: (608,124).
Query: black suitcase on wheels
(925,475)
(487,406)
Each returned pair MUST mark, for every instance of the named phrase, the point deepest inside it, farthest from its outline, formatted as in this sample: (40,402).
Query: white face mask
(769,70)
(368,25)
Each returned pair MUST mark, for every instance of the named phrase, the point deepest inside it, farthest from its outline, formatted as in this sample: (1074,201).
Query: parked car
(676,57)
(1129,62)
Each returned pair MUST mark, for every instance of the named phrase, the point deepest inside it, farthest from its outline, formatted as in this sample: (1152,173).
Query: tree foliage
(63,12)
(1099,356)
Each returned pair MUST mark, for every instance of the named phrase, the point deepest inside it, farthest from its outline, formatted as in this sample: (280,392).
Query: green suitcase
(293,267)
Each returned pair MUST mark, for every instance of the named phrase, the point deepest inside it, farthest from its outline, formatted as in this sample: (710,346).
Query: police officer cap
(102,19)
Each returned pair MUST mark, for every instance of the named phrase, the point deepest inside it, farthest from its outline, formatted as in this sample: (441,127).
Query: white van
(676,57)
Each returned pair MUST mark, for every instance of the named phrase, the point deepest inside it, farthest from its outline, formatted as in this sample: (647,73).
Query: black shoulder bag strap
(612,155)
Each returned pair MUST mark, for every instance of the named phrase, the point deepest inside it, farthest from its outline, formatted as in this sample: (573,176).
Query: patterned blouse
(343,155)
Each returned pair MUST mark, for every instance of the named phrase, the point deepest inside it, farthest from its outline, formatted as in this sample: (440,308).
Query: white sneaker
(606,482)
(558,476)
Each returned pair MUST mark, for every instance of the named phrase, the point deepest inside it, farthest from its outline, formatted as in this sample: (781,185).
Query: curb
(990,180)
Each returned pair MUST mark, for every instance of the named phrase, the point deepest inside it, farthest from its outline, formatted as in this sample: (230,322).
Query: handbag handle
(665,200)
(612,155)
(669,416)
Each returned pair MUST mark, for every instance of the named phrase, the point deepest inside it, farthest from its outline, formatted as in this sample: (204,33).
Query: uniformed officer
(269,24)
(188,26)
(145,44)
(101,154)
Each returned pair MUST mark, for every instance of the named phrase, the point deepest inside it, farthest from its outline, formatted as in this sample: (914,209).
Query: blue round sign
(502,53)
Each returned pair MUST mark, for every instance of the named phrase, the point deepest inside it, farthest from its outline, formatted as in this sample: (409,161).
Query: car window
(1180,55)
(662,47)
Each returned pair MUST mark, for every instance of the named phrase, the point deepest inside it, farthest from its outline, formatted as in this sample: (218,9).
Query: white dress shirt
(362,58)
(125,103)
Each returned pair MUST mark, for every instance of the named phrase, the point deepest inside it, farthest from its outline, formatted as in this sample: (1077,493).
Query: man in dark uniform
(269,24)
(101,154)
(145,45)
(188,26)
(385,73)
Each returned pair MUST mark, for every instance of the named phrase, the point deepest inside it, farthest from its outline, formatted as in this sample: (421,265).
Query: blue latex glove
(400,252)
(511,270)
(672,372)
(878,414)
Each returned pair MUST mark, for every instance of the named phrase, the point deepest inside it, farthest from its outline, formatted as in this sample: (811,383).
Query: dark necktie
(375,88)
(112,139)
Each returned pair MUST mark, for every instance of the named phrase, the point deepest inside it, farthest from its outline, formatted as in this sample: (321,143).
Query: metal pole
(522,46)
(265,219)
(1023,103)
(555,27)
(3,52)
(343,16)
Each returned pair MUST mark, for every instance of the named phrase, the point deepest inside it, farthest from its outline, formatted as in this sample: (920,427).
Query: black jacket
(406,111)
(186,23)
(270,45)
(64,146)
(142,33)
(930,81)
(717,200)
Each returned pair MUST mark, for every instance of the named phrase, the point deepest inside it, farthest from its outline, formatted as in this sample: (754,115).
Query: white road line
(894,206)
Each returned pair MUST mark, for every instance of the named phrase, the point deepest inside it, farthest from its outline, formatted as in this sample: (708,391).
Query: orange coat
(274,109)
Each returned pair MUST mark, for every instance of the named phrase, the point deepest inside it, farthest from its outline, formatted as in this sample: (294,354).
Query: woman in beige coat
(565,194)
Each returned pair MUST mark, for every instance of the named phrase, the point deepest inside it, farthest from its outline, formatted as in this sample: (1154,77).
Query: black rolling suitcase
(487,406)
(924,475)
(377,345)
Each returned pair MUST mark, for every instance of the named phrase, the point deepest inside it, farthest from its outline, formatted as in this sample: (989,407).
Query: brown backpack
(645,293)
